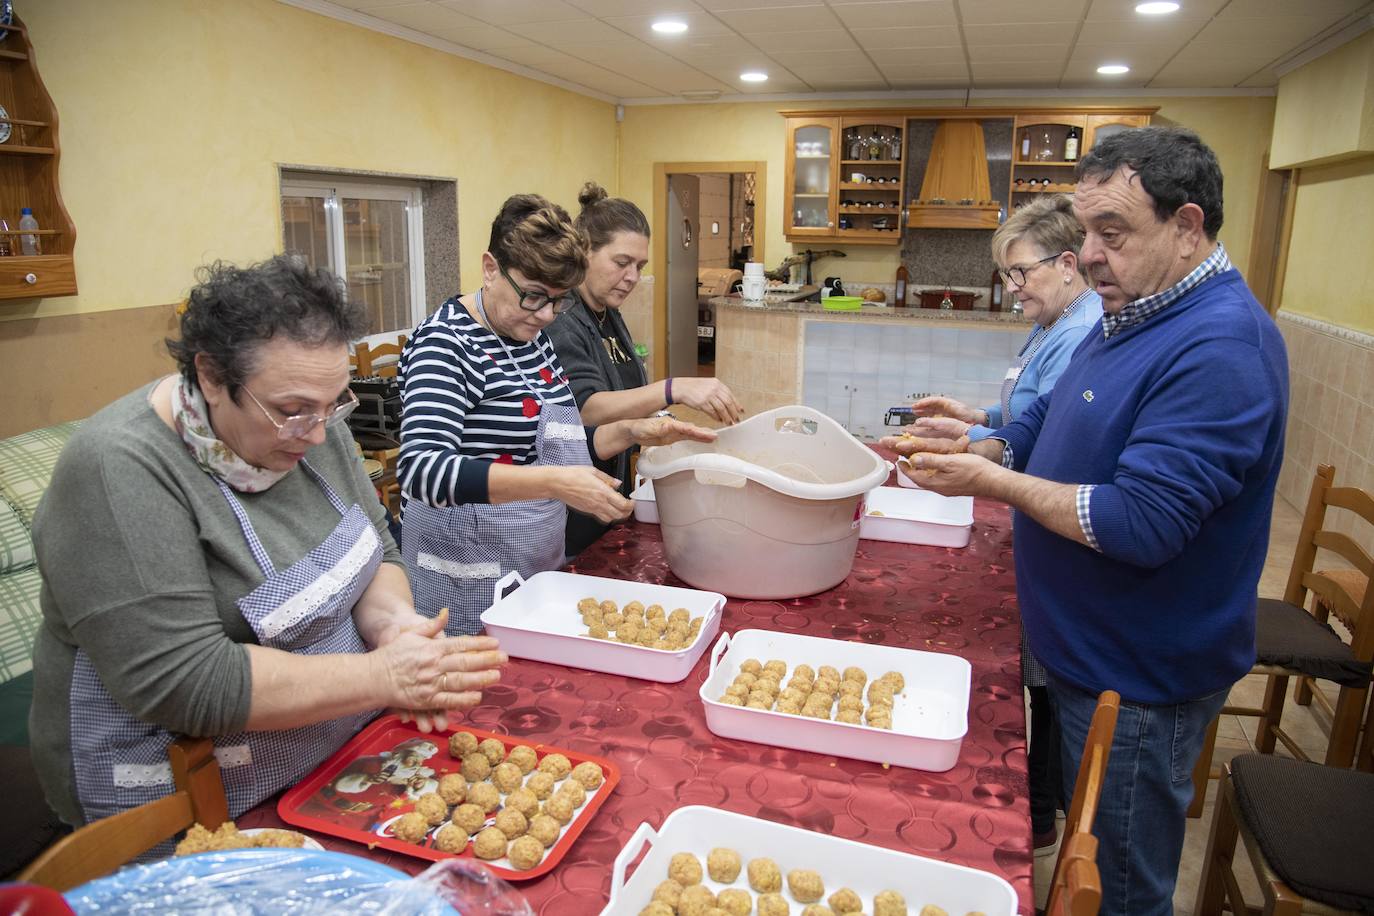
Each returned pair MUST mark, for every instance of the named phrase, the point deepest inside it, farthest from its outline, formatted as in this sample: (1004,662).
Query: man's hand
(907,444)
(951,475)
(948,407)
(938,428)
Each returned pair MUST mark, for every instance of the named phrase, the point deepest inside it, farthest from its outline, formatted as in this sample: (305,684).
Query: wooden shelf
(870,162)
(811,194)
(870,211)
(8,149)
(1052,189)
(1036,162)
(31,232)
(13,55)
(893,186)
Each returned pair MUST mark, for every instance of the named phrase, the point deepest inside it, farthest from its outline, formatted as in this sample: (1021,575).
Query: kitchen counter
(877,312)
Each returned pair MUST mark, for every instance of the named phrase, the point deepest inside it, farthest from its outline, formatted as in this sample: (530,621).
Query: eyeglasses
(303,424)
(532,301)
(1017,274)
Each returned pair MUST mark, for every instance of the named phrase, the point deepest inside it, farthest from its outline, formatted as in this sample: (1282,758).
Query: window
(370,235)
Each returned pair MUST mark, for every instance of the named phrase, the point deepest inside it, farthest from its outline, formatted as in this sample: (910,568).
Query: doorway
(706,221)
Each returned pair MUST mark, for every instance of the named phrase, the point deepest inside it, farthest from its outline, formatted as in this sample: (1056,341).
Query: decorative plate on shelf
(5,126)
(6,17)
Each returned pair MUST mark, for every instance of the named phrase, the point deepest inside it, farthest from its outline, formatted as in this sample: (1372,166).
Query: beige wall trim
(658,222)
(68,366)
(1349,335)
(897,95)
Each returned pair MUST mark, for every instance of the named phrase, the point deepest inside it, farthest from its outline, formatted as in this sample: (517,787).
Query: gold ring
(443,682)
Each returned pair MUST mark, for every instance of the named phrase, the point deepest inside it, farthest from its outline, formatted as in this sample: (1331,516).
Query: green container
(842,303)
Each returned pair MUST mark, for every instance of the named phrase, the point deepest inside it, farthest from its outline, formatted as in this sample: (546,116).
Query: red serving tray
(365,816)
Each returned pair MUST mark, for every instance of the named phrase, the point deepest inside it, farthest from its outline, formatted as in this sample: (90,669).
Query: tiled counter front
(853,367)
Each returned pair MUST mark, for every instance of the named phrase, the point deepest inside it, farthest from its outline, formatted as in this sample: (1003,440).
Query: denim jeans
(1144,803)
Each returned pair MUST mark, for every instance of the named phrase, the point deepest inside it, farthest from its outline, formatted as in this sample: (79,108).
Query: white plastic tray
(929,717)
(539,621)
(917,517)
(865,869)
(646,508)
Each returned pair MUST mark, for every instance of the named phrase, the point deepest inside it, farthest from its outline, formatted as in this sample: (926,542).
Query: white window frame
(331,190)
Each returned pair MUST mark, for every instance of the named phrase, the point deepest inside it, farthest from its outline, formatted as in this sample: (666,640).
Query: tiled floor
(1236,734)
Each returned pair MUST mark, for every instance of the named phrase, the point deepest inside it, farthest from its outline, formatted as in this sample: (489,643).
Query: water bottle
(28,244)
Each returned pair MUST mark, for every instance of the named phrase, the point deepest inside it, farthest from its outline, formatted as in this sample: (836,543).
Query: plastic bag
(300,882)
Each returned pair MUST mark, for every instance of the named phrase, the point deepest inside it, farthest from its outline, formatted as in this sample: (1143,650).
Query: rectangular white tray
(867,870)
(917,517)
(646,507)
(539,621)
(929,717)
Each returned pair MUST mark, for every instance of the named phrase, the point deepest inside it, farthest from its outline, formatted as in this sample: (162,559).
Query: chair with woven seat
(1076,889)
(1306,830)
(1292,642)
(103,846)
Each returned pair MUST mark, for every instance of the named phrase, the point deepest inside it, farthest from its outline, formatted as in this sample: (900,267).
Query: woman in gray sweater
(216,563)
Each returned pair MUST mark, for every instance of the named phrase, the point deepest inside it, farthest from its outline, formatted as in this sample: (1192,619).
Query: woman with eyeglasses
(216,563)
(1036,250)
(493,449)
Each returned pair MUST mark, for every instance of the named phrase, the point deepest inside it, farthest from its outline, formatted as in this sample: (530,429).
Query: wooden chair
(1294,643)
(1077,886)
(364,360)
(1305,829)
(104,845)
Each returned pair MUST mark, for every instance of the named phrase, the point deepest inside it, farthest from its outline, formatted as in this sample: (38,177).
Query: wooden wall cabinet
(1038,161)
(28,177)
(822,199)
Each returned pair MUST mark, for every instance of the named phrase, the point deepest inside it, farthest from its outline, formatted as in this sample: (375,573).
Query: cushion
(1312,824)
(16,546)
(26,463)
(1288,636)
(29,825)
(16,697)
(19,619)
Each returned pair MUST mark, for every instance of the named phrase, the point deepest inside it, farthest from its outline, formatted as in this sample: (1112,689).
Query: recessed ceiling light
(753,76)
(1156,7)
(669,27)
(1113,69)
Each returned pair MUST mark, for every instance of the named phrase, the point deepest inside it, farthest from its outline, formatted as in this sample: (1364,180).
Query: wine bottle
(899,297)
(1025,146)
(998,289)
(1071,145)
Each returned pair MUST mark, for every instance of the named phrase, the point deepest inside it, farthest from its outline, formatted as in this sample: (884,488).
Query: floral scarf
(192,418)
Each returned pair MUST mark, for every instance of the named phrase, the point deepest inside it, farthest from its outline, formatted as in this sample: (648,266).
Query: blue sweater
(1046,365)
(1179,421)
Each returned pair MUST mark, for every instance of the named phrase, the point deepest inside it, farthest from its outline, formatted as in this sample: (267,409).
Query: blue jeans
(1144,803)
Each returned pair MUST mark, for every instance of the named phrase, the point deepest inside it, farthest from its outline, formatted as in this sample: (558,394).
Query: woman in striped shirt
(493,450)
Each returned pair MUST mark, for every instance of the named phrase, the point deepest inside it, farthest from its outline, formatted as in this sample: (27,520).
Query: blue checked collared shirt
(1132,314)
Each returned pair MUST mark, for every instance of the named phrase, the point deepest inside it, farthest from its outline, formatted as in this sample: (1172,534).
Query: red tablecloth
(958,601)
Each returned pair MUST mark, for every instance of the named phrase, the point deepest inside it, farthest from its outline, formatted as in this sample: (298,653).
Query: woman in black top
(608,379)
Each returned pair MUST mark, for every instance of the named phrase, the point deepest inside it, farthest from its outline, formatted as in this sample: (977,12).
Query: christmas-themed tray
(374,779)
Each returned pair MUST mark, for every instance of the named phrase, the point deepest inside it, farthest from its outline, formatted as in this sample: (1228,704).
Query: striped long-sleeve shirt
(467,403)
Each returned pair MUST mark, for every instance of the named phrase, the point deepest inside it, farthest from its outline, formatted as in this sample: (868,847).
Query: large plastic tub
(771,509)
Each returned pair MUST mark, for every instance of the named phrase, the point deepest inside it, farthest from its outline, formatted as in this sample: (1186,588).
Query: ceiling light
(753,76)
(1113,69)
(669,27)
(1156,7)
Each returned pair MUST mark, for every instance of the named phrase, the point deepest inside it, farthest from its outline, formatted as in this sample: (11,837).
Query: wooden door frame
(1271,234)
(659,228)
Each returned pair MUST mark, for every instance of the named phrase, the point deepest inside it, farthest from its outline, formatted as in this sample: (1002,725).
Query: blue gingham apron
(457,553)
(120,762)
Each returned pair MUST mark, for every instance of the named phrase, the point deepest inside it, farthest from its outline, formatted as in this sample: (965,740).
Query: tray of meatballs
(703,861)
(516,806)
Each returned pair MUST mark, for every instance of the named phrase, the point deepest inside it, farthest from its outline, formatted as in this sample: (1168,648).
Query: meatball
(731,701)
(525,853)
(685,869)
(637,607)
(764,876)
(541,784)
(852,690)
(476,767)
(598,631)
(889,903)
(773,905)
(817,909)
(609,607)
(748,678)
(760,699)
(880,693)
(895,679)
(494,751)
(512,823)
(931,909)
(560,808)
(735,901)
(851,702)
(751,666)
(696,901)
(461,744)
(573,791)
(657,908)
(484,796)
(556,765)
(668,892)
(523,800)
(451,838)
(453,789)
(410,828)
(470,817)
(545,829)
(828,671)
(805,671)
(849,716)
(523,756)
(507,777)
(806,885)
(854,674)
(683,616)
(846,900)
(723,865)
(588,606)
(489,844)
(432,808)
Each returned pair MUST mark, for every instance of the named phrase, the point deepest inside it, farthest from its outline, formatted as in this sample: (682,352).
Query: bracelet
(668,392)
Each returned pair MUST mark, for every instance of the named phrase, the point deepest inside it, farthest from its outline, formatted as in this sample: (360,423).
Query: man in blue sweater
(1143,486)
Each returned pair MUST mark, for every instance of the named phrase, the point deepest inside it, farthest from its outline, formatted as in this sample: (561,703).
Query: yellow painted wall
(1237,128)
(175,114)
(1325,108)
(1330,273)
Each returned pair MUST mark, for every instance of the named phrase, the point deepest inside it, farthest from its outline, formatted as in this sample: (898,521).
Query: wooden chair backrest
(1077,886)
(1334,592)
(365,357)
(101,847)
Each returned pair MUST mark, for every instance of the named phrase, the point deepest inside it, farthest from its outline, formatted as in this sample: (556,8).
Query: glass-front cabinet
(1046,147)
(844,179)
(812,170)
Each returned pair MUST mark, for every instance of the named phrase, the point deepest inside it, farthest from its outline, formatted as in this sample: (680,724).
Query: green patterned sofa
(26,465)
